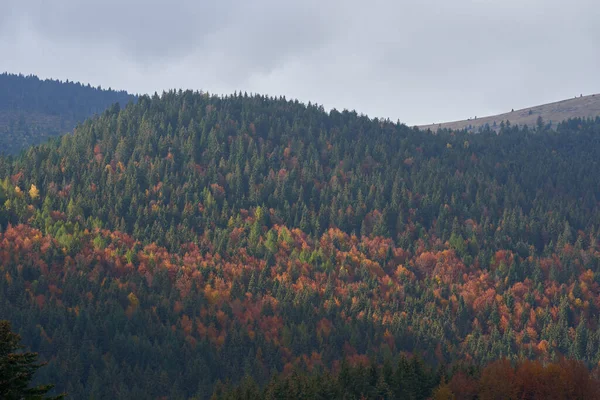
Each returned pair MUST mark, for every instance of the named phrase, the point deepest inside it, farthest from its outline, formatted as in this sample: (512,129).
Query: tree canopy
(188,239)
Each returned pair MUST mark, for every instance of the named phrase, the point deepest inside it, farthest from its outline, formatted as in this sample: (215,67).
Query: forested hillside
(189,238)
(33,110)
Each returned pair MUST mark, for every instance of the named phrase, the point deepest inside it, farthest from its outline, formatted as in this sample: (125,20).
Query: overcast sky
(419,61)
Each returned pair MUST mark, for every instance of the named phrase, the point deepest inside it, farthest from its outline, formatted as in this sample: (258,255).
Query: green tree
(17,369)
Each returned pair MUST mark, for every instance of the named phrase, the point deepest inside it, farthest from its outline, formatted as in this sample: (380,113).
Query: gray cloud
(418,61)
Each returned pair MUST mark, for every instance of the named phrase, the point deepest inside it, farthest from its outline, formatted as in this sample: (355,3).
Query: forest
(192,245)
(33,110)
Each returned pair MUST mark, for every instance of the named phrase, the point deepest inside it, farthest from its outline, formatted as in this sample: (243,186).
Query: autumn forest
(187,245)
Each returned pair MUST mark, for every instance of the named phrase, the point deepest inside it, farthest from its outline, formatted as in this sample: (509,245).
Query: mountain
(189,239)
(34,110)
(551,114)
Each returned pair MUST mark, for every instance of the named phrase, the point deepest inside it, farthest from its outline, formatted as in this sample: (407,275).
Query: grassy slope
(580,107)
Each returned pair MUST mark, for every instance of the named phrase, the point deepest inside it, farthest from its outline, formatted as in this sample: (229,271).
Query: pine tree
(17,369)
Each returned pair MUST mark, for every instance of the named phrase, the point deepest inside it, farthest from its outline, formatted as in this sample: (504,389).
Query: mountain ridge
(188,239)
(551,113)
(32,110)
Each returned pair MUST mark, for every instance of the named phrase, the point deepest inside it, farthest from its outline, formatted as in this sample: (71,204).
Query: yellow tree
(34,192)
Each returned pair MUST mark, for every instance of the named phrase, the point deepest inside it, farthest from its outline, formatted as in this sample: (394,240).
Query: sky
(417,61)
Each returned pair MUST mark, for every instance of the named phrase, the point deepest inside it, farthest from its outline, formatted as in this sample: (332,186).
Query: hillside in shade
(33,110)
(551,114)
(189,239)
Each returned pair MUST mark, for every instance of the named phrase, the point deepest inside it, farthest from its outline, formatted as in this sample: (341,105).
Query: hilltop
(33,110)
(186,239)
(551,113)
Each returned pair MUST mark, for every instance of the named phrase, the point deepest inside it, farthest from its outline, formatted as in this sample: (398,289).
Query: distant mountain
(33,110)
(551,113)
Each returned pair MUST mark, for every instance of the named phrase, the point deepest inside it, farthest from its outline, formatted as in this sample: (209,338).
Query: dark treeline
(189,239)
(411,379)
(33,110)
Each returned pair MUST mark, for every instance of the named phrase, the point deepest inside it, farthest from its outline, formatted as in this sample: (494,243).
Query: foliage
(17,369)
(410,380)
(190,238)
